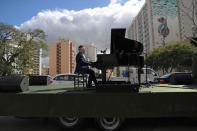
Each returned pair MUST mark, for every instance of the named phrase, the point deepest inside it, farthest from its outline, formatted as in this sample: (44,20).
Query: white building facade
(37,58)
(160,22)
(91,52)
(187,18)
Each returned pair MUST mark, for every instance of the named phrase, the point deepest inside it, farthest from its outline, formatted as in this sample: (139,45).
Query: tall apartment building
(141,29)
(160,22)
(37,58)
(187,21)
(45,70)
(61,57)
(91,52)
(37,62)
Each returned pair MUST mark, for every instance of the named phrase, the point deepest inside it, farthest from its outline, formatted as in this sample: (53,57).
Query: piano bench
(80,80)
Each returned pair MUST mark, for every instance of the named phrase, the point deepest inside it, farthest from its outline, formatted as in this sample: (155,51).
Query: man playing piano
(83,66)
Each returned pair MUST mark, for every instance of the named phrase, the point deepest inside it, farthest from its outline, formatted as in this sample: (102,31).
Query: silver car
(65,80)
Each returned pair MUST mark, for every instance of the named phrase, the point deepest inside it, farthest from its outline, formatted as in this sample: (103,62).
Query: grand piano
(123,52)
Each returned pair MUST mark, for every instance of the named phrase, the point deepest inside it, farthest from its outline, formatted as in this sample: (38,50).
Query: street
(37,124)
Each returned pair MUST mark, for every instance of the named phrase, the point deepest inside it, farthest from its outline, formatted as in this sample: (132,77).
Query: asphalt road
(37,124)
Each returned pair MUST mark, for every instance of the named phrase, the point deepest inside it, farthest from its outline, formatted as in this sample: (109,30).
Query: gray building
(162,21)
(187,18)
(91,52)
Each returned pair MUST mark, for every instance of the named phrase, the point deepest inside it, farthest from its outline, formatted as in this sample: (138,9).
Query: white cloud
(91,25)
(85,26)
(113,1)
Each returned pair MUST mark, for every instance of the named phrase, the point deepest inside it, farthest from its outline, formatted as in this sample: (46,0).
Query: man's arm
(83,61)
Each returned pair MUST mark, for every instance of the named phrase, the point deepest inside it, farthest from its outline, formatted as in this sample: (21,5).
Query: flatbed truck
(109,109)
(111,102)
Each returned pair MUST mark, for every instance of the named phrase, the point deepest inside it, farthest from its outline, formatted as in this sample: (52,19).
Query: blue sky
(16,12)
(69,18)
(81,21)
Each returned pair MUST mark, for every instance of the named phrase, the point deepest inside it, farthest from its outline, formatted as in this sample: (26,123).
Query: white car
(151,75)
(65,80)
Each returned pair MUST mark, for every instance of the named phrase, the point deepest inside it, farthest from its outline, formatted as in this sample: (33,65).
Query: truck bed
(162,88)
(53,101)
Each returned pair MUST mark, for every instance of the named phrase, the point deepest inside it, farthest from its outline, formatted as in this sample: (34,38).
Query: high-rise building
(160,22)
(61,57)
(141,28)
(187,18)
(37,60)
(91,52)
(45,70)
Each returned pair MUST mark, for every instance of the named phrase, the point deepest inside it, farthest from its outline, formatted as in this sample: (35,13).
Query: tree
(174,56)
(17,48)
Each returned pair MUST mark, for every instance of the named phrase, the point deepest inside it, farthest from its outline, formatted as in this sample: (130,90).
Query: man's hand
(94,64)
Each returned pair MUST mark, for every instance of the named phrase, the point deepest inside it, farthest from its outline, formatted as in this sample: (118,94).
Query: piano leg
(104,75)
(139,75)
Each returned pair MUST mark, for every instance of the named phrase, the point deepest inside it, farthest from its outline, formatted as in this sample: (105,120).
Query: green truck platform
(52,101)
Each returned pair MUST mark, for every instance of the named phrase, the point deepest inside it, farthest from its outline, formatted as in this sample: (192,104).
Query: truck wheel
(69,122)
(109,124)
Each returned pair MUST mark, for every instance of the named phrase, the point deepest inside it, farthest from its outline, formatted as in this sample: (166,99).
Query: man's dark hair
(81,46)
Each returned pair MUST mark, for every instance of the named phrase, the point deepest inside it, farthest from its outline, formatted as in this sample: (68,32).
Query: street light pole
(146,69)
(145,53)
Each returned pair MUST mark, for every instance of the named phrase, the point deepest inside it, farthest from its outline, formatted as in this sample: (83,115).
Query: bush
(174,56)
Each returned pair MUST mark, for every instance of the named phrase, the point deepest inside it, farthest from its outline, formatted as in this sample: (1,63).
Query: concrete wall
(186,19)
(146,24)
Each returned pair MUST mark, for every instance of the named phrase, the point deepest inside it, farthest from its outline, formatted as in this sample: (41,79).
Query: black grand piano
(124,52)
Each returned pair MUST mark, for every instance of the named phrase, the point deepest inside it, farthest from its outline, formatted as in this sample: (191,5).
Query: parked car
(64,79)
(165,79)
(146,74)
(38,80)
(181,78)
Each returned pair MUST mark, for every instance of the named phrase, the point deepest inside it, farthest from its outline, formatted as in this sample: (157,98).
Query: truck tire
(109,124)
(69,122)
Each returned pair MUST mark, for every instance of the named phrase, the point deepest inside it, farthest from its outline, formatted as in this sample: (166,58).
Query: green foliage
(17,49)
(175,56)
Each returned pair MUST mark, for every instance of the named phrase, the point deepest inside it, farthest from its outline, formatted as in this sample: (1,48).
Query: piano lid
(115,34)
(121,44)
